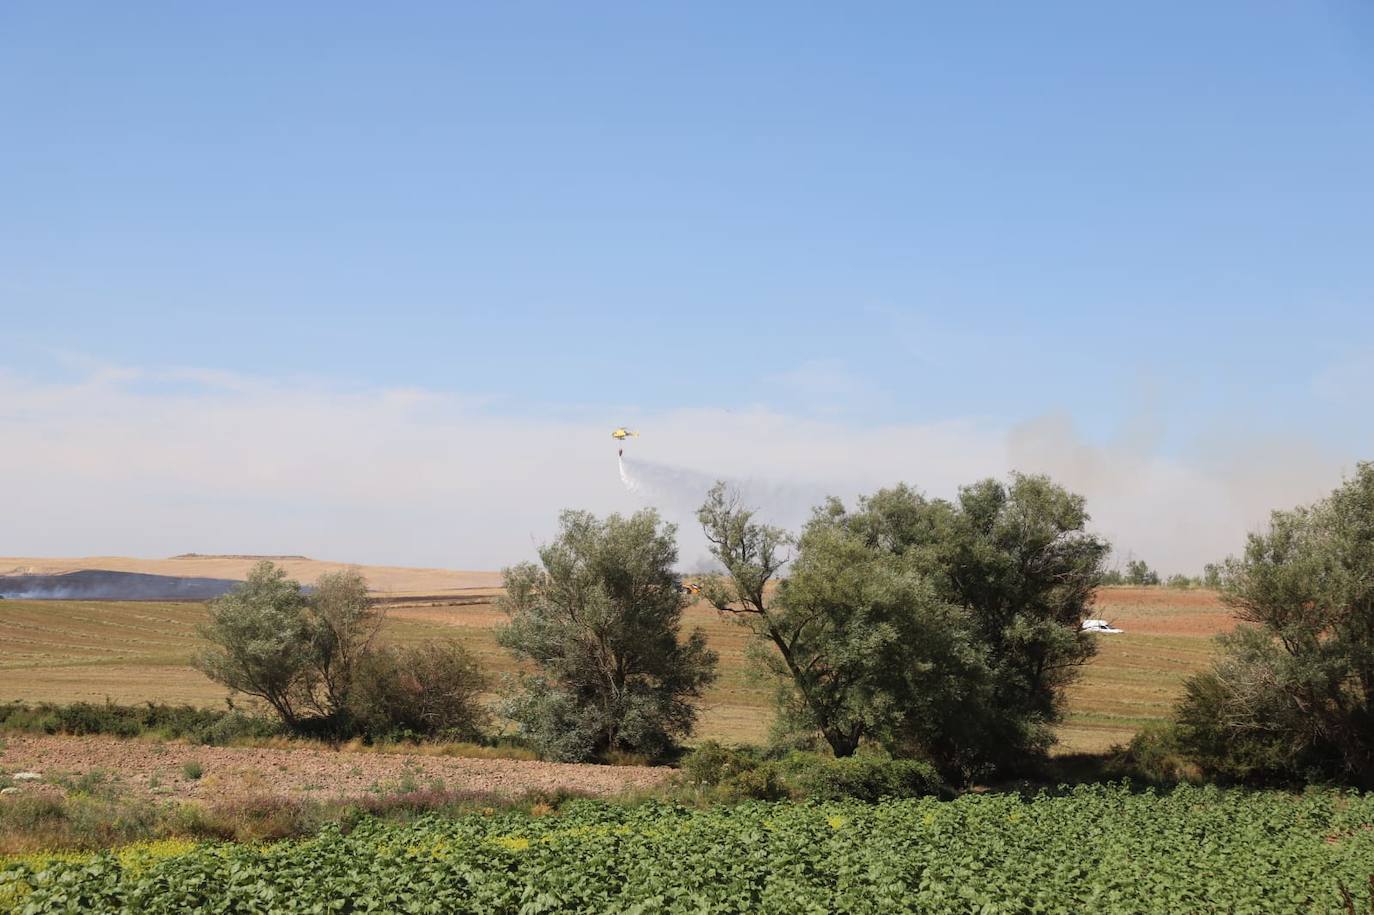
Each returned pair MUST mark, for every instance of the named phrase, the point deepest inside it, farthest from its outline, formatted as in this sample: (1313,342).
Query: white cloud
(161,462)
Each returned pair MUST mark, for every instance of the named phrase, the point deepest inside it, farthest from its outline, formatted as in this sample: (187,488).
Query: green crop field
(1100,849)
(63,651)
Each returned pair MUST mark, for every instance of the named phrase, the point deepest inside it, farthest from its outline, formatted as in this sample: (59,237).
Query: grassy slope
(131,652)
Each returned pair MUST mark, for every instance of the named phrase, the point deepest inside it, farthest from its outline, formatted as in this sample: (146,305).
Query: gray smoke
(95,584)
(677,493)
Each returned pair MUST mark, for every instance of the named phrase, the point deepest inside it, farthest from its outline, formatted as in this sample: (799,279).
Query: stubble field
(129,652)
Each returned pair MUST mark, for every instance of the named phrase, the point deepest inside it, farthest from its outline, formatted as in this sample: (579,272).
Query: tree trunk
(841,744)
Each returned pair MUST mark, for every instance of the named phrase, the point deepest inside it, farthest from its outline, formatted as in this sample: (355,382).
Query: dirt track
(157,768)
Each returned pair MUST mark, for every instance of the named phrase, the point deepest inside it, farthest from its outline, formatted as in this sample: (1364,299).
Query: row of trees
(940,629)
(946,630)
(1139,574)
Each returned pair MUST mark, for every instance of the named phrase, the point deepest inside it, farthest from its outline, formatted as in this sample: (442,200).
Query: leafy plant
(1097,849)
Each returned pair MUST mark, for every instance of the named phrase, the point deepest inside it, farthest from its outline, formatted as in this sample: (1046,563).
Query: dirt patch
(165,769)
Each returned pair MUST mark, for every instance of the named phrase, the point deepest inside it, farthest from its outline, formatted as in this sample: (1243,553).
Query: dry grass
(387,580)
(65,651)
(1138,675)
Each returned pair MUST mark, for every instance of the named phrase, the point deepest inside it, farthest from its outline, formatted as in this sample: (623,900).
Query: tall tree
(599,618)
(259,639)
(1291,694)
(345,621)
(948,629)
(862,645)
(1017,556)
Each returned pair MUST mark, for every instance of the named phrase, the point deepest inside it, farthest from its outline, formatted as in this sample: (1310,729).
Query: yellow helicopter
(621,434)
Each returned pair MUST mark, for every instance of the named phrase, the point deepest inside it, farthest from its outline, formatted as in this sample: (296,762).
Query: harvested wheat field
(383,580)
(130,652)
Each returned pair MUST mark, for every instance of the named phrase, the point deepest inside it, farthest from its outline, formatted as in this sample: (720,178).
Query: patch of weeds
(94,782)
(192,770)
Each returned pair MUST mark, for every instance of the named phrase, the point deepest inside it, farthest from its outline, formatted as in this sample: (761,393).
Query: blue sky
(1151,226)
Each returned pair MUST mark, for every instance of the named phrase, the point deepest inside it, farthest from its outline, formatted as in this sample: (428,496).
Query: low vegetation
(713,773)
(98,812)
(1100,849)
(213,727)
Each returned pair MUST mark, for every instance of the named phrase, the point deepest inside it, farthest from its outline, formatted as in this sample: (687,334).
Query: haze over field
(158,462)
(374,285)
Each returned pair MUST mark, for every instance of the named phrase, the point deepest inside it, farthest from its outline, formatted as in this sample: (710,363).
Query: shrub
(198,725)
(730,774)
(431,690)
(862,777)
(712,763)
(192,770)
(1155,755)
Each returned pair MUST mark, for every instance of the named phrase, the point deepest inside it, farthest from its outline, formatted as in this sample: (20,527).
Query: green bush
(712,763)
(198,725)
(861,777)
(433,690)
(1156,755)
(730,774)
(1290,697)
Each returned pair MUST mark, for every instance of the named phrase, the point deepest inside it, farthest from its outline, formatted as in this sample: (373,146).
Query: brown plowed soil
(229,772)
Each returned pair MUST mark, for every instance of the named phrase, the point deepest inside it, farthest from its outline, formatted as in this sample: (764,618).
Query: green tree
(344,624)
(299,652)
(861,645)
(1017,558)
(1139,573)
(259,639)
(1290,693)
(1211,576)
(599,618)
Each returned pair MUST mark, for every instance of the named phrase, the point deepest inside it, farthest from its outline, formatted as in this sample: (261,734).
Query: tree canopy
(1290,693)
(948,629)
(599,619)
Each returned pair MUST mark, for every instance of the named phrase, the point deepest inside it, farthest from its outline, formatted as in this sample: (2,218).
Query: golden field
(131,652)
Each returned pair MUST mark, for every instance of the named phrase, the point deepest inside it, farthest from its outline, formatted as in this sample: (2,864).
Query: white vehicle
(1098,626)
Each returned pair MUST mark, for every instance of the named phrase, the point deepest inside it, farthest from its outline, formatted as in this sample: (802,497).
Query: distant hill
(256,557)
